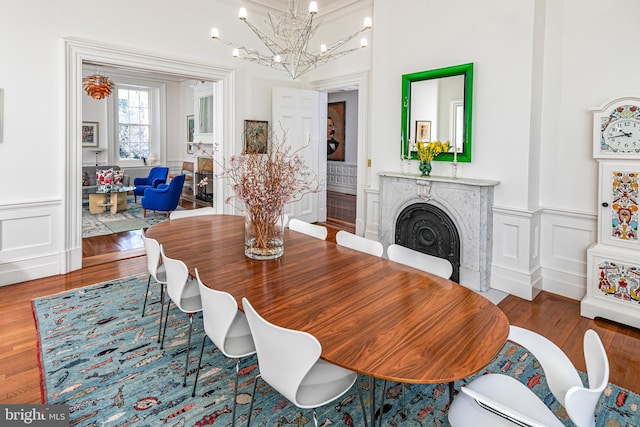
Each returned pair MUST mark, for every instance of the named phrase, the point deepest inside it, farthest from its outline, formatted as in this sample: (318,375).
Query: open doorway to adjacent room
(342,158)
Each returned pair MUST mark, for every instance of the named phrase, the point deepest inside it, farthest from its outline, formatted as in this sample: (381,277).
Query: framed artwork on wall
(335,131)
(256,136)
(190,128)
(423,130)
(89,134)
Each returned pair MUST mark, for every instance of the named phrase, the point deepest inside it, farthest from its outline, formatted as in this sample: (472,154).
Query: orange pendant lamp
(97,86)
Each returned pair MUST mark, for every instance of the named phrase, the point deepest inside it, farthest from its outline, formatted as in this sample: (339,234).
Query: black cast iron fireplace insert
(428,229)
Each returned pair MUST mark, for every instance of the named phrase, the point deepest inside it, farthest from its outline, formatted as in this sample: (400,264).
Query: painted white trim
(78,51)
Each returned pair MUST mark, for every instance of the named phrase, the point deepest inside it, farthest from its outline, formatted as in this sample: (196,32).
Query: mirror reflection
(437,107)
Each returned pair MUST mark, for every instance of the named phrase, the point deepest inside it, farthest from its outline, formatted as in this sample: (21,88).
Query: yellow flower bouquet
(427,151)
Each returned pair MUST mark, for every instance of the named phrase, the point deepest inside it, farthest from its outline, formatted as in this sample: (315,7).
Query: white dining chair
(290,363)
(227,328)
(494,400)
(425,262)
(352,241)
(186,213)
(156,272)
(184,292)
(313,230)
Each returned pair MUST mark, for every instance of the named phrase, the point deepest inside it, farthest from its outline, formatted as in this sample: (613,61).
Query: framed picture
(89,134)
(256,136)
(423,131)
(190,128)
(335,130)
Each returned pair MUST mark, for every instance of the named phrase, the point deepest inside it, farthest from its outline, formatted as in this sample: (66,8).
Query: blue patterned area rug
(132,218)
(99,356)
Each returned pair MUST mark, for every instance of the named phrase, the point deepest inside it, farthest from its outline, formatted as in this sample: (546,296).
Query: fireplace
(204,169)
(428,229)
(446,217)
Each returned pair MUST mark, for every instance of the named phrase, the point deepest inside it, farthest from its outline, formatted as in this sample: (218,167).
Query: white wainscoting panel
(342,177)
(516,266)
(566,237)
(30,241)
(373,214)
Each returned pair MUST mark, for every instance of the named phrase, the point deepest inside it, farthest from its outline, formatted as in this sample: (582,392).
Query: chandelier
(97,86)
(289,41)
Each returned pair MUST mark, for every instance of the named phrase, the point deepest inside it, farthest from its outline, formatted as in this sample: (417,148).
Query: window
(133,123)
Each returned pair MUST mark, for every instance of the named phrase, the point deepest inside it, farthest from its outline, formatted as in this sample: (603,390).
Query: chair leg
(144,213)
(404,411)
(235,394)
(315,418)
(384,391)
(161,309)
(186,363)
(364,411)
(255,384)
(146,294)
(166,320)
(195,383)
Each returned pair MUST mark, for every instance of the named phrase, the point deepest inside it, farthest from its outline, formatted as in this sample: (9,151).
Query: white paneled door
(302,114)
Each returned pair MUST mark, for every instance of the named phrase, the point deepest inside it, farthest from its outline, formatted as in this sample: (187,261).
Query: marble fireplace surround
(468,202)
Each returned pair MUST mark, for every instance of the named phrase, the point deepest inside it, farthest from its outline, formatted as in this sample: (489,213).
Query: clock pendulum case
(613,262)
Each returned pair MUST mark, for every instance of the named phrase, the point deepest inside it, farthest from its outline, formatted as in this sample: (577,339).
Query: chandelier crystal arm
(288,45)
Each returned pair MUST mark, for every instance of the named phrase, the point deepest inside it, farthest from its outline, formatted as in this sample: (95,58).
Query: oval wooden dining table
(371,315)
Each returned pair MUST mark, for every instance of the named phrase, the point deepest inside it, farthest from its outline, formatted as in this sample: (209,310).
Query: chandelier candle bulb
(367,22)
(363,42)
(215,33)
(323,48)
(313,7)
(242,13)
(236,53)
(277,59)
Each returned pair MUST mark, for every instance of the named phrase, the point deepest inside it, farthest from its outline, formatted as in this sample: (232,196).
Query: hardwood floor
(555,317)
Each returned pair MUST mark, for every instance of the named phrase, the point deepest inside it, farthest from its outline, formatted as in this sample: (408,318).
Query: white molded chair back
(313,230)
(227,327)
(184,292)
(290,363)
(352,241)
(224,324)
(181,288)
(425,262)
(156,271)
(494,399)
(152,248)
(285,356)
(208,210)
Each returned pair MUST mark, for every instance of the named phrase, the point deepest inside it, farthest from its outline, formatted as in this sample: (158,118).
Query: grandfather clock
(613,262)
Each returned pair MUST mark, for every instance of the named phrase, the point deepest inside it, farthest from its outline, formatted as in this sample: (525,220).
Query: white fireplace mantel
(468,202)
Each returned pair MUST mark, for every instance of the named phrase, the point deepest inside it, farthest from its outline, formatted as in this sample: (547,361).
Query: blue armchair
(163,198)
(157,175)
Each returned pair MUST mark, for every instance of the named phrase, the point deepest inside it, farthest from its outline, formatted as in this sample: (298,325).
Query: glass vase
(263,234)
(425,168)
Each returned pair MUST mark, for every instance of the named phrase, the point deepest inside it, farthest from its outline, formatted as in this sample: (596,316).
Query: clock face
(619,131)
(622,135)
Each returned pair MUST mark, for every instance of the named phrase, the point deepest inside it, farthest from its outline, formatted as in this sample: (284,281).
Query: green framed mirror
(437,106)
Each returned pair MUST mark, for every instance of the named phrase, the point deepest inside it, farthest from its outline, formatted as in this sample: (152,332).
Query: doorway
(357,83)
(81,51)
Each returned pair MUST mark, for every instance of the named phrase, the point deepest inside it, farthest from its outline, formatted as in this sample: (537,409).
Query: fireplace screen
(205,193)
(428,229)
